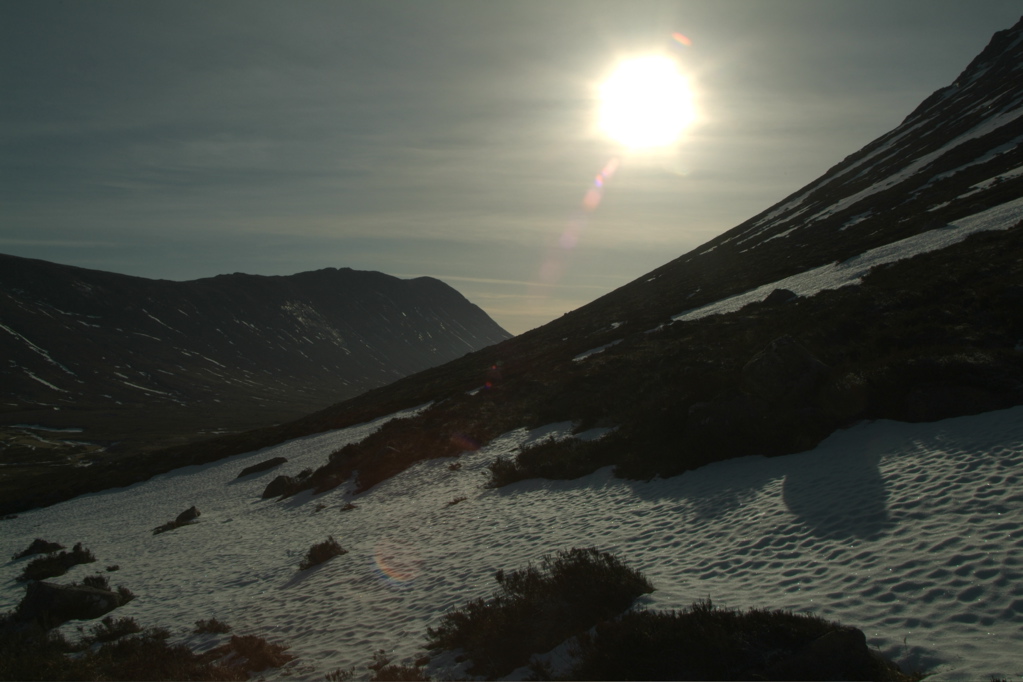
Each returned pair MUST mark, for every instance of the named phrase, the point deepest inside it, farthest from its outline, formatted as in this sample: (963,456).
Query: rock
(38,546)
(187,516)
(262,466)
(50,604)
(838,655)
(282,485)
(784,372)
(779,296)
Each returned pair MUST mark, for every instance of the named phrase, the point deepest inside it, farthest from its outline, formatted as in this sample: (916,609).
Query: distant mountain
(891,287)
(112,354)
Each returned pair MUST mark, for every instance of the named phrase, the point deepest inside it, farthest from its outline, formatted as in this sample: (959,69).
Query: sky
(457,140)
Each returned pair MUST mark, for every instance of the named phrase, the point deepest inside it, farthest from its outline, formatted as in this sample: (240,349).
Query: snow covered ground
(912,532)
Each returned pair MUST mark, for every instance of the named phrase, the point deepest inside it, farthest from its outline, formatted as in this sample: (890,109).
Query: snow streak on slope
(912,532)
(851,271)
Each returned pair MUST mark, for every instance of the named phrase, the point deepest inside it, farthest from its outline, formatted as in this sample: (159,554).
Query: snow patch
(850,272)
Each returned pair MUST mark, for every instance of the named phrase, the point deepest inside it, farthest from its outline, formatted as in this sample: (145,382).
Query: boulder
(187,516)
(38,546)
(262,466)
(282,485)
(779,296)
(50,604)
(784,372)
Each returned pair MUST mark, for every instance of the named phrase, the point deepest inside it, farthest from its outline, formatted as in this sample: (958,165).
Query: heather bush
(385,671)
(211,625)
(256,653)
(32,653)
(100,582)
(321,552)
(53,565)
(554,459)
(707,643)
(111,628)
(535,609)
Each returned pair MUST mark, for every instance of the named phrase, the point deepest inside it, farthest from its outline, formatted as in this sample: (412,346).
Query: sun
(646,103)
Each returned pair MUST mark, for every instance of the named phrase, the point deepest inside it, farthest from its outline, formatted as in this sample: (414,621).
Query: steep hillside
(97,358)
(889,288)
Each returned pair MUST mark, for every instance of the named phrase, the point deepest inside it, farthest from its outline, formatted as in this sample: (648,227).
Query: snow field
(911,532)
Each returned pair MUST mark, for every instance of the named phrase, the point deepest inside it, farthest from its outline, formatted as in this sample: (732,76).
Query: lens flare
(398,562)
(681,39)
(556,262)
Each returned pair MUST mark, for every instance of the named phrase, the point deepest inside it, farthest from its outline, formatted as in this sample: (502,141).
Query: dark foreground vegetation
(707,643)
(31,647)
(537,609)
(121,649)
(55,564)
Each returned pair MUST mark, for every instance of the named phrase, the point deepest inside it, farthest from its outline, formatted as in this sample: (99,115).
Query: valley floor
(911,532)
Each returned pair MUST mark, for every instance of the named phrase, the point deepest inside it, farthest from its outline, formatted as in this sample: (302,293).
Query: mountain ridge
(917,338)
(129,363)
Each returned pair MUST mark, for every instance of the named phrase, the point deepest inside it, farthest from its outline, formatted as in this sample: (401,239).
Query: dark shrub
(125,594)
(705,643)
(385,671)
(47,604)
(111,628)
(30,652)
(53,565)
(100,582)
(538,608)
(38,546)
(554,459)
(258,654)
(262,466)
(211,626)
(320,552)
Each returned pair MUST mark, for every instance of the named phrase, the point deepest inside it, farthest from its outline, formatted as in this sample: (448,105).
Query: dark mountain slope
(145,361)
(920,338)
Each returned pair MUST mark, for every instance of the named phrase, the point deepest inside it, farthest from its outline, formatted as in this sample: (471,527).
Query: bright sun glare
(646,103)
